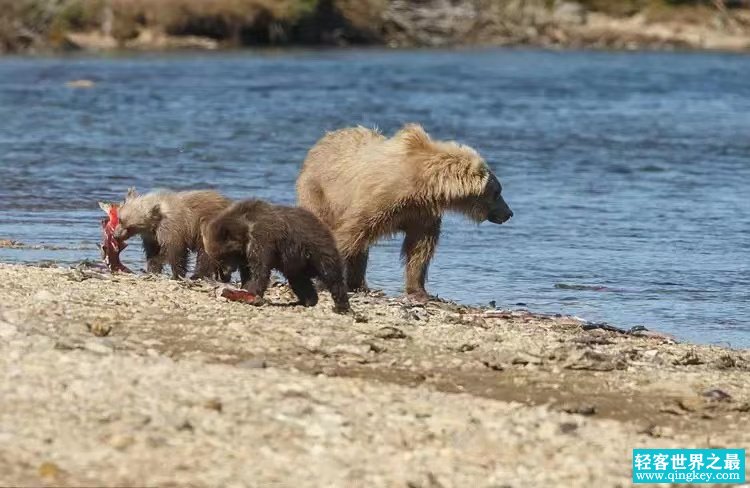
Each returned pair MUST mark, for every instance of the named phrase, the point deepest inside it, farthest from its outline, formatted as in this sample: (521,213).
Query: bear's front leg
(256,275)
(154,259)
(177,257)
(356,268)
(353,241)
(417,251)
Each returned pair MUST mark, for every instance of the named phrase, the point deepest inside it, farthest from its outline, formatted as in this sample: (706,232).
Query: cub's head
(490,205)
(139,214)
(225,240)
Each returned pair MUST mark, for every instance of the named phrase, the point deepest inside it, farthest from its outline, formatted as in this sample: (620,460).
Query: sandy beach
(143,381)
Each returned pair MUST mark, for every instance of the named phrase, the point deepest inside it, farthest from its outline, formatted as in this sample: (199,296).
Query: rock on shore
(132,380)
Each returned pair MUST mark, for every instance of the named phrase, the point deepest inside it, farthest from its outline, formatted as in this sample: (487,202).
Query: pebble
(214,404)
(100,329)
(583,409)
(99,346)
(44,296)
(717,395)
(121,441)
(49,470)
(253,364)
(7,330)
(390,333)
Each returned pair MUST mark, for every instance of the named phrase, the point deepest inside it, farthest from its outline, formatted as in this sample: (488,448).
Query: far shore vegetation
(48,25)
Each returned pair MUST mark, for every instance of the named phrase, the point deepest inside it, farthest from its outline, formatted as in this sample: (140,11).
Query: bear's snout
(500,212)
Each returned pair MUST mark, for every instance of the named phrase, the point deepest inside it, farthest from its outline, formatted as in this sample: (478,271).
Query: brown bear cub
(255,237)
(170,225)
(365,186)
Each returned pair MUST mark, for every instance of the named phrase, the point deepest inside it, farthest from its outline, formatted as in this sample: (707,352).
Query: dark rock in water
(641,331)
(637,328)
(603,326)
(567,286)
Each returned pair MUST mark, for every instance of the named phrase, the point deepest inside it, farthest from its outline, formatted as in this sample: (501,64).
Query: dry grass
(25,23)
(28,25)
(213,18)
(691,11)
(683,14)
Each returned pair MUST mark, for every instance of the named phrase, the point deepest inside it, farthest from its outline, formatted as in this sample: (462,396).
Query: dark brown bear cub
(256,237)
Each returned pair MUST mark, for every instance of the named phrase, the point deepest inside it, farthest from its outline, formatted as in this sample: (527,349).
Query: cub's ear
(131,194)
(250,209)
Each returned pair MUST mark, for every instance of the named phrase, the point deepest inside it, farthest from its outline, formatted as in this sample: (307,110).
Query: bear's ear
(249,210)
(155,213)
(479,168)
(413,137)
(131,194)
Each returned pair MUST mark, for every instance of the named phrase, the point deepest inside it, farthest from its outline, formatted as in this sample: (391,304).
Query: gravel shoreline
(143,381)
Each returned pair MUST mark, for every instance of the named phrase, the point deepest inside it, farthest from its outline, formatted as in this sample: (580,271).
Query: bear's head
(138,214)
(455,176)
(491,205)
(225,240)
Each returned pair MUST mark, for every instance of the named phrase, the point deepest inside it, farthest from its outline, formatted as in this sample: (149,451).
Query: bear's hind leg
(303,287)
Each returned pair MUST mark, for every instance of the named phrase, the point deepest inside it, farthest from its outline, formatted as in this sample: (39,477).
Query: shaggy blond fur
(170,225)
(365,186)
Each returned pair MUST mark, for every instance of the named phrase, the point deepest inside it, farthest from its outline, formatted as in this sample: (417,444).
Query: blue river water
(629,173)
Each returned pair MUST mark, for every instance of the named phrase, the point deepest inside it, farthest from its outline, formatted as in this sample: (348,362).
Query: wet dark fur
(255,237)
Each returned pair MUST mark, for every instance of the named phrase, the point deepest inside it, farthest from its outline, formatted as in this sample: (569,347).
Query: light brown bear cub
(365,186)
(256,237)
(170,225)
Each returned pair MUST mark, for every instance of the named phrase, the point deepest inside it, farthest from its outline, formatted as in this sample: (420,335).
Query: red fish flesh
(112,247)
(238,295)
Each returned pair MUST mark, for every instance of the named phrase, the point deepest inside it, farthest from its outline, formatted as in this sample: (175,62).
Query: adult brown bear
(365,186)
